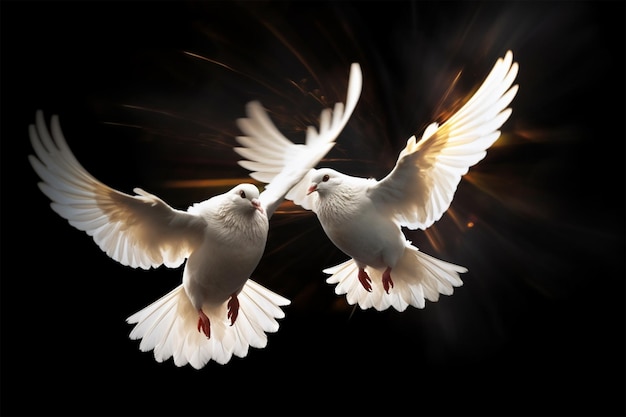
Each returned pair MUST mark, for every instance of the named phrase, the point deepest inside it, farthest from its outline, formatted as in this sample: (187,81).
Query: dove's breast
(357,228)
(224,262)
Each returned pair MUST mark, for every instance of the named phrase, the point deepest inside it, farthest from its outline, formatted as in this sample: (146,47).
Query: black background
(147,94)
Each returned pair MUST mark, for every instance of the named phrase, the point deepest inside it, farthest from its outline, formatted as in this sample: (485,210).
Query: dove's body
(221,239)
(364,217)
(363,228)
(379,245)
(217,311)
(245,236)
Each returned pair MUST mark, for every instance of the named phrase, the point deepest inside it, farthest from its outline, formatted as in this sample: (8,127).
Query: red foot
(365,280)
(387,282)
(233,308)
(203,324)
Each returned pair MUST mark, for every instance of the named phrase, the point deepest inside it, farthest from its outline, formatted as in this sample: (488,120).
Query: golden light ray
(221,136)
(458,222)
(291,49)
(521,200)
(270,87)
(286,207)
(209,183)
(444,110)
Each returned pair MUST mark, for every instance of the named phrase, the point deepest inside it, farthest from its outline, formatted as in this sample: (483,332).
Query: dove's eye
(242,193)
(325,178)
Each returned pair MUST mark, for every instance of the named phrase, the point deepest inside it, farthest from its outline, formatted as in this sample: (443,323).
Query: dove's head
(246,196)
(324,180)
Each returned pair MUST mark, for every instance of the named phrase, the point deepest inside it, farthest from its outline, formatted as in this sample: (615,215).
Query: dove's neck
(340,205)
(249,226)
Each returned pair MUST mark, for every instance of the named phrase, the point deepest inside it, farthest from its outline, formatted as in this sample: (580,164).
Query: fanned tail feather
(169,326)
(417,277)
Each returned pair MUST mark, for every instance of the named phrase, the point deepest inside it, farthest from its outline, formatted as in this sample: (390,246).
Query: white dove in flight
(217,311)
(364,217)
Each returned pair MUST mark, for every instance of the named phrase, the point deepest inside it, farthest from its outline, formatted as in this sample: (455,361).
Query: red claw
(204,324)
(233,308)
(365,280)
(387,282)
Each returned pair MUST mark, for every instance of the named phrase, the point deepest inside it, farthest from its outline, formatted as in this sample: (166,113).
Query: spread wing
(276,160)
(136,230)
(421,186)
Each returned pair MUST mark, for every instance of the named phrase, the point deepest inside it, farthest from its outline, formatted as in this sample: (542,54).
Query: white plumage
(364,217)
(217,311)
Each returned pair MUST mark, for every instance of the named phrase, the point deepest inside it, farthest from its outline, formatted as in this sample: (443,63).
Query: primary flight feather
(217,311)
(364,217)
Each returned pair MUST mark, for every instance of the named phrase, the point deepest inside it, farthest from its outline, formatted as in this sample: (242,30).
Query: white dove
(364,217)
(217,311)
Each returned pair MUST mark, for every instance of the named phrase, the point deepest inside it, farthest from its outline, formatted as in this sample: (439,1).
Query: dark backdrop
(147,94)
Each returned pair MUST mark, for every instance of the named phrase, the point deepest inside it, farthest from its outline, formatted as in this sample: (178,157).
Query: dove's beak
(311,189)
(257,205)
